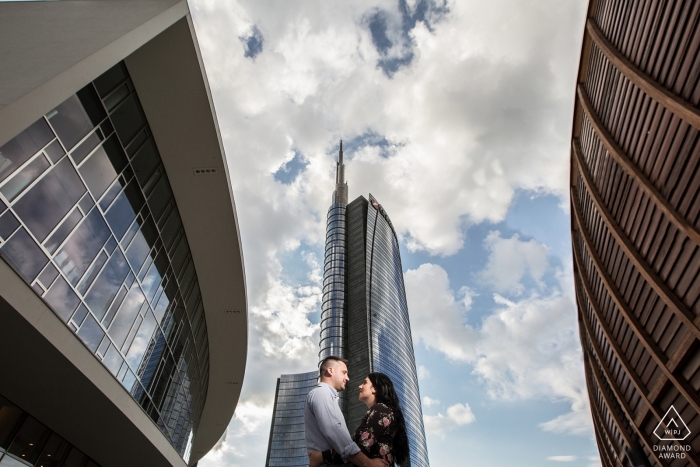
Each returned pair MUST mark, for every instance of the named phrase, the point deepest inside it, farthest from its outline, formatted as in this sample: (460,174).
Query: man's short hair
(328,362)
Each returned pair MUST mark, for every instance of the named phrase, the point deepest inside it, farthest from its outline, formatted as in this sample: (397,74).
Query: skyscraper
(364,318)
(635,183)
(123,328)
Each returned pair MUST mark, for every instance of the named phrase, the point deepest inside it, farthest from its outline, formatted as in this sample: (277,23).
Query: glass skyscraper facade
(364,315)
(287,445)
(88,220)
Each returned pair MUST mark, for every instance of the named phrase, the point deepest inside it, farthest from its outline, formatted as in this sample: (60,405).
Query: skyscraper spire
(340,195)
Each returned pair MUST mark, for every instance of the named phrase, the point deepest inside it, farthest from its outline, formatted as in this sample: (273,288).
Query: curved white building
(123,315)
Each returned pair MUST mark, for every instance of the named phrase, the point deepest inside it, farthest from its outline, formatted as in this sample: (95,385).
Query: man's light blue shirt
(324,424)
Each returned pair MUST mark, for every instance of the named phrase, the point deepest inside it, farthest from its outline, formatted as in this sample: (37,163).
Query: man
(323,421)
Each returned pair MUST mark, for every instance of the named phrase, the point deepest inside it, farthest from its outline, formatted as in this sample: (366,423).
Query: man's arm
(332,424)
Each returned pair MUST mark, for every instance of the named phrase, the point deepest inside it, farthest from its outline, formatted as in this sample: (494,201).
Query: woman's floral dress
(374,436)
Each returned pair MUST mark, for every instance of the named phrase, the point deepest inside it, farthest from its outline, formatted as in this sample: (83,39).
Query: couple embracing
(379,441)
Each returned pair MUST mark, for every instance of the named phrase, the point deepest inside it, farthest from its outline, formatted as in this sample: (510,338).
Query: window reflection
(50,199)
(76,116)
(23,146)
(106,241)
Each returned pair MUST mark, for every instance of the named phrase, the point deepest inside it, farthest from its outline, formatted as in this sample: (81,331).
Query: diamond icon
(672,427)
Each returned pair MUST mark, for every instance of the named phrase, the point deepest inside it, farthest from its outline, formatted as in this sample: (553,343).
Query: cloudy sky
(456,115)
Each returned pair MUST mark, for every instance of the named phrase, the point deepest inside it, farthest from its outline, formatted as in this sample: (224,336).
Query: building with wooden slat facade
(635,210)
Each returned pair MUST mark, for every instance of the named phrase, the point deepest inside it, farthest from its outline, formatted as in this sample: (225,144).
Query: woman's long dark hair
(386,394)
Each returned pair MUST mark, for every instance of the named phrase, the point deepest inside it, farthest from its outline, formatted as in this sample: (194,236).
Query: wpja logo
(672,428)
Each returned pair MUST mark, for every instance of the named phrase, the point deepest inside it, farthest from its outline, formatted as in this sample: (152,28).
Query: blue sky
(457,117)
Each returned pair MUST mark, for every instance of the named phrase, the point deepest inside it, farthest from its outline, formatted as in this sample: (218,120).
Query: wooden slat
(644,337)
(619,155)
(601,428)
(618,422)
(671,101)
(598,418)
(597,353)
(650,276)
(617,350)
(674,362)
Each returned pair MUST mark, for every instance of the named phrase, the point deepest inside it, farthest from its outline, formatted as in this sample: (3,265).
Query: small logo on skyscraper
(672,427)
(375,205)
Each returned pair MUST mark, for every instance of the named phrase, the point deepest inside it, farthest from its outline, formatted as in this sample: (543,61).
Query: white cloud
(541,360)
(473,119)
(510,260)
(428,402)
(436,317)
(250,421)
(457,415)
(423,372)
(562,458)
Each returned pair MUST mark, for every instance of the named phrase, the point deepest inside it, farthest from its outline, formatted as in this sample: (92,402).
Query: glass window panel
(54,151)
(131,232)
(91,333)
(150,233)
(171,229)
(103,167)
(116,97)
(86,147)
(151,281)
(47,277)
(79,315)
(54,453)
(111,245)
(11,418)
(138,141)
(137,251)
(143,337)
(8,461)
(62,299)
(127,314)
(3,206)
(76,116)
(42,207)
(24,255)
(129,380)
(22,147)
(128,119)
(112,360)
(180,256)
(110,79)
(107,128)
(114,307)
(8,225)
(63,231)
(166,214)
(146,161)
(132,334)
(29,440)
(76,459)
(124,209)
(86,203)
(92,272)
(160,198)
(112,193)
(25,177)
(163,303)
(107,285)
(83,245)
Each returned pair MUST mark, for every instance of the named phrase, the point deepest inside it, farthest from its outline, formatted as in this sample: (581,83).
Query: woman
(382,431)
